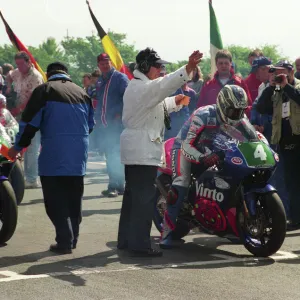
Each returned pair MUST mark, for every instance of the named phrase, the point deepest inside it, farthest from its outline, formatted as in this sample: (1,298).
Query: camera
(279,79)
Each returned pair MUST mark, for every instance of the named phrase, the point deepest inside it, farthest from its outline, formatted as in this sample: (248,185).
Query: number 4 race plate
(257,154)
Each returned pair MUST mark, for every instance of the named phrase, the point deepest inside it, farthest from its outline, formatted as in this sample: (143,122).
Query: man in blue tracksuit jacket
(110,89)
(64,114)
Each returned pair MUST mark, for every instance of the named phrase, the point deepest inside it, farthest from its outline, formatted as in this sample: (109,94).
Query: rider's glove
(212,159)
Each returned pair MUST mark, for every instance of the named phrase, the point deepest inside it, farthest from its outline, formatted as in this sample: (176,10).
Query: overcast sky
(174,28)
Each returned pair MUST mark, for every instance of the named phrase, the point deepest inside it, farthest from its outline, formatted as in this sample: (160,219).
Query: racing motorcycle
(233,199)
(8,204)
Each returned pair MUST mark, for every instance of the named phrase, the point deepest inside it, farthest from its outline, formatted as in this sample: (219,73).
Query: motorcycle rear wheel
(264,234)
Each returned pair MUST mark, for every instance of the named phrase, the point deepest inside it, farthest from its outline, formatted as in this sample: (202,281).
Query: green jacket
(277,115)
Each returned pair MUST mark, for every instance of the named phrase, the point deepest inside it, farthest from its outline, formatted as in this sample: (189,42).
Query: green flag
(215,37)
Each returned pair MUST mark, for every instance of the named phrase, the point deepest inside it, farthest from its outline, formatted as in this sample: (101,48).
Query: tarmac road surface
(205,267)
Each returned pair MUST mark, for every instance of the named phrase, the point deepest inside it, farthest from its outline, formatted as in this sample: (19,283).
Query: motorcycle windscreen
(257,154)
(5,140)
(11,125)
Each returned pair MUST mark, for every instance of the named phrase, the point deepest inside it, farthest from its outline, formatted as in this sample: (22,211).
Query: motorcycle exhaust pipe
(161,188)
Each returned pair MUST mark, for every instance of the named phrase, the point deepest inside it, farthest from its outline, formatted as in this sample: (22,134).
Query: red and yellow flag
(109,47)
(20,46)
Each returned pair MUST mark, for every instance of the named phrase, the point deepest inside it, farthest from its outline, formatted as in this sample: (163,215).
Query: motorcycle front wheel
(264,233)
(16,178)
(8,211)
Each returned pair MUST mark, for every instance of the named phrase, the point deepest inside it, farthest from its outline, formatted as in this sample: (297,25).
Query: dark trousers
(278,181)
(63,199)
(291,161)
(109,141)
(138,207)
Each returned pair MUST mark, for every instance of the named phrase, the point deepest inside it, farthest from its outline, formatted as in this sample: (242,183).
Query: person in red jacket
(224,75)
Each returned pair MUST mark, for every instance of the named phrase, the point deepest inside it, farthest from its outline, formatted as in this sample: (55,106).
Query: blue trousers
(109,142)
(31,158)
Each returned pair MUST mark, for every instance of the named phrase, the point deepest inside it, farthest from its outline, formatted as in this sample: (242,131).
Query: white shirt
(143,116)
(24,85)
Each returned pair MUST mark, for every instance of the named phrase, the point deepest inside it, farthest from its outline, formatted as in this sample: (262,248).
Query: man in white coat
(145,102)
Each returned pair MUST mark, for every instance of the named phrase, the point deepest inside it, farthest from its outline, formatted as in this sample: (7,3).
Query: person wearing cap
(282,100)
(257,81)
(263,124)
(146,103)
(259,74)
(63,113)
(25,79)
(223,76)
(110,89)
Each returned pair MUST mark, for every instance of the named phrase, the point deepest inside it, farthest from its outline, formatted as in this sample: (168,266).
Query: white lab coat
(143,116)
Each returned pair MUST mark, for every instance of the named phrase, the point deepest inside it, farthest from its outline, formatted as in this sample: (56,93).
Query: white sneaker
(32,185)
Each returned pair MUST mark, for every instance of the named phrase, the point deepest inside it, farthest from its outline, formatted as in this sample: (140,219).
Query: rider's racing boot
(175,200)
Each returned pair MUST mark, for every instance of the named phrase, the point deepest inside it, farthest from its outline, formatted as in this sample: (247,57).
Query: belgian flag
(109,47)
(20,46)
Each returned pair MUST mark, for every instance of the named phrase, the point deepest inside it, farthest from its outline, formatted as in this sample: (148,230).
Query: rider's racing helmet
(231,104)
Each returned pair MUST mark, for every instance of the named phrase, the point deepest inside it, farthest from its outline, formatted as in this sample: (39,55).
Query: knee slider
(172,196)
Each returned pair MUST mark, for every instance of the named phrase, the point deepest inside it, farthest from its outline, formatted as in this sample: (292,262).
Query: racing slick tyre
(8,211)
(16,178)
(264,233)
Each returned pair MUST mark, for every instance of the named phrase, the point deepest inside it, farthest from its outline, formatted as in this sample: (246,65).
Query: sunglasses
(157,65)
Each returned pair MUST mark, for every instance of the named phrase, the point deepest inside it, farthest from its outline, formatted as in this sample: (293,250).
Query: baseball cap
(282,64)
(103,57)
(260,62)
(57,66)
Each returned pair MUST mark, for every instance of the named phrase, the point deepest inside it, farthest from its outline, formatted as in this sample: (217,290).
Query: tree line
(79,54)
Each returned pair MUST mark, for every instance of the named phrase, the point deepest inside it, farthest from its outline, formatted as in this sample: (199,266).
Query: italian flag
(215,37)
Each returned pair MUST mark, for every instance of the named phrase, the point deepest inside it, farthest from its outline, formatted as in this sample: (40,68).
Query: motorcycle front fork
(249,203)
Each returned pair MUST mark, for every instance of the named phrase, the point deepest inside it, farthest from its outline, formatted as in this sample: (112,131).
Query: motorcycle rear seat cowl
(166,166)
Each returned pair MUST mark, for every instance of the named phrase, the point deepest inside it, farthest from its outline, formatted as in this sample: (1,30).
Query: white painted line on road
(225,259)
(284,255)
(97,163)
(12,276)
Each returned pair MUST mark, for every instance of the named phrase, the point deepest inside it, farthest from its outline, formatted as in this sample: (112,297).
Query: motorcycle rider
(7,119)
(5,115)
(192,145)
